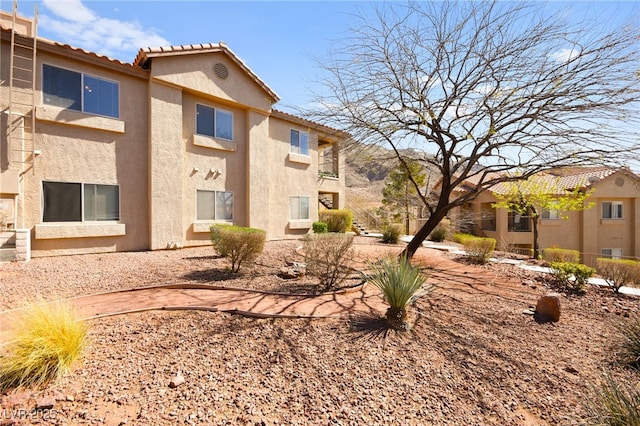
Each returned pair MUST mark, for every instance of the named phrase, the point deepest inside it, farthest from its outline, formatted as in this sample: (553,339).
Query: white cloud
(564,55)
(78,26)
(70,10)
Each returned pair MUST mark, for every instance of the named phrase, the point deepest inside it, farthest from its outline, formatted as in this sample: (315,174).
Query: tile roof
(565,179)
(303,121)
(146,54)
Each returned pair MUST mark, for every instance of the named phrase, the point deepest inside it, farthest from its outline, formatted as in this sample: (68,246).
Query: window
(612,253)
(299,142)
(79,92)
(299,208)
(612,210)
(77,202)
(519,223)
(550,214)
(214,205)
(214,122)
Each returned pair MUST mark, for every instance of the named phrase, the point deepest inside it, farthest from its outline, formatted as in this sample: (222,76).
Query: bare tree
(489,92)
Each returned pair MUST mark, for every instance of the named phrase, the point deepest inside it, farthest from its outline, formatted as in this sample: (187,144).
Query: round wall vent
(221,70)
(619,181)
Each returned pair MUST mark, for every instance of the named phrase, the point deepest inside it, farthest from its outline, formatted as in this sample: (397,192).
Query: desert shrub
(43,344)
(390,234)
(479,249)
(337,220)
(630,342)
(401,283)
(618,272)
(438,234)
(460,237)
(560,255)
(615,405)
(572,276)
(238,244)
(320,228)
(327,257)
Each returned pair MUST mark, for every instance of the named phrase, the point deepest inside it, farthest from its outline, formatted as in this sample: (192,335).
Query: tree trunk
(536,247)
(422,234)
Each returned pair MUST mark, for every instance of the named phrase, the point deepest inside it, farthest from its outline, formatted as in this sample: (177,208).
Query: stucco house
(611,228)
(98,155)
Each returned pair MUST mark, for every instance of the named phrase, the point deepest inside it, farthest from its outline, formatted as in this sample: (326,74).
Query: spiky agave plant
(401,283)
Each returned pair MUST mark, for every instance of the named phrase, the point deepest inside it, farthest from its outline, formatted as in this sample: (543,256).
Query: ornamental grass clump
(630,342)
(238,244)
(44,343)
(401,284)
(615,404)
(553,254)
(390,234)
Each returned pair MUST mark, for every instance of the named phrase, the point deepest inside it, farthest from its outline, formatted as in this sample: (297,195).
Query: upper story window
(80,92)
(78,202)
(551,214)
(299,208)
(214,122)
(612,210)
(214,205)
(299,142)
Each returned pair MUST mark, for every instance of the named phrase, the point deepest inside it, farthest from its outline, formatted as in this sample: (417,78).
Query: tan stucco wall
(152,153)
(82,148)
(291,175)
(195,72)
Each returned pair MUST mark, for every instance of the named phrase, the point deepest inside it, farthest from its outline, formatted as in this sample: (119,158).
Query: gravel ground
(472,357)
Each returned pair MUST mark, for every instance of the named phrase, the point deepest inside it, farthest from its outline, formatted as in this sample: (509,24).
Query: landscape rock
(176,381)
(548,308)
(45,403)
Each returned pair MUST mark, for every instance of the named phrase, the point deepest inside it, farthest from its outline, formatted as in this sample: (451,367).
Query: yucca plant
(42,345)
(616,405)
(401,283)
(630,342)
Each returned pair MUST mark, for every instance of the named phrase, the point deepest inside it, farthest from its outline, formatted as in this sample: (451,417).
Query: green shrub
(619,272)
(572,276)
(400,283)
(438,234)
(560,255)
(460,237)
(320,227)
(44,342)
(615,405)
(390,234)
(238,244)
(327,257)
(337,220)
(479,249)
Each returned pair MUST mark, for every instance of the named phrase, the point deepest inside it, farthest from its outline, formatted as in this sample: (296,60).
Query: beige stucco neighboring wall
(82,148)
(195,72)
(290,176)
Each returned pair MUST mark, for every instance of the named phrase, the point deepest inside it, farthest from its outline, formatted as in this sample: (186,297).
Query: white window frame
(83,87)
(299,148)
(215,111)
(612,253)
(294,202)
(551,214)
(83,205)
(614,207)
(215,210)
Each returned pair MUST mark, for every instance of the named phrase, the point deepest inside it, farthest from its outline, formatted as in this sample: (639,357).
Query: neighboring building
(98,155)
(610,228)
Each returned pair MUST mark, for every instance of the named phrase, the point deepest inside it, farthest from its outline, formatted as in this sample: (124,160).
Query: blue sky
(278,40)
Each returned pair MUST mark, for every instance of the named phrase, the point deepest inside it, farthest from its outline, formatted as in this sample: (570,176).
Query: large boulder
(548,308)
